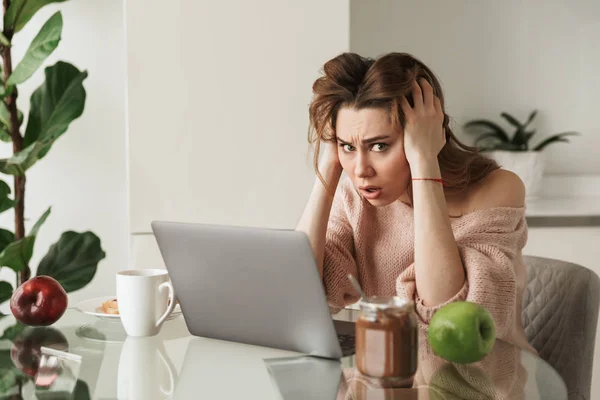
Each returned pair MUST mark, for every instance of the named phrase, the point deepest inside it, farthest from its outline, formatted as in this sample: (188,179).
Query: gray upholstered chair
(560,313)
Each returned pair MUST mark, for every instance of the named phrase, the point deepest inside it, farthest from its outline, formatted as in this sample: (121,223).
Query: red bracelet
(430,179)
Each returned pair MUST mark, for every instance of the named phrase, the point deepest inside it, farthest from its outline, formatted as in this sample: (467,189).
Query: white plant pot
(528,165)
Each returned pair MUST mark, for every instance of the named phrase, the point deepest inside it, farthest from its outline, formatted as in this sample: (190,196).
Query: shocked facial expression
(371,152)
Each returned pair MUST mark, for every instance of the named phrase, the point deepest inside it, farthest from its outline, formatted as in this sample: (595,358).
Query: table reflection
(500,375)
(100,361)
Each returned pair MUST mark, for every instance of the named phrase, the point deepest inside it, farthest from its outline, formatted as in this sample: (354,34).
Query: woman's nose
(362,167)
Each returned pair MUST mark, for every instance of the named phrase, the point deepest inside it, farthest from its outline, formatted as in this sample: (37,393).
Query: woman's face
(371,153)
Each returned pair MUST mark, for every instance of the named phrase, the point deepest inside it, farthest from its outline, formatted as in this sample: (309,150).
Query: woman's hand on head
(330,158)
(424,136)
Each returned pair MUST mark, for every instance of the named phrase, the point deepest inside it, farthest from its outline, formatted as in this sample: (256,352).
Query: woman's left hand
(424,136)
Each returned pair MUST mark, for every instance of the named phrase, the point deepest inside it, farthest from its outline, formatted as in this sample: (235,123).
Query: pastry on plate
(110,307)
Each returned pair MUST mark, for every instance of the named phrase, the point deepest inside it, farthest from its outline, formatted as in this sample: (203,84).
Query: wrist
(330,170)
(425,168)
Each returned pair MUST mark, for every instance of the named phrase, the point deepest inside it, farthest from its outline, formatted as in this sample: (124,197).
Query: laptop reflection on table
(220,369)
(305,377)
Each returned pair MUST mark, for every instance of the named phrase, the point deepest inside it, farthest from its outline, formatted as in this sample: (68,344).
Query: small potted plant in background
(513,152)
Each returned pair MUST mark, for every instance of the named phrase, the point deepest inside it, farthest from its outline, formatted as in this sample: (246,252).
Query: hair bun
(347,70)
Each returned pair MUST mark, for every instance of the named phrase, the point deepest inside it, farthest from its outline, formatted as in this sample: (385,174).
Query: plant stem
(17,140)
(18,396)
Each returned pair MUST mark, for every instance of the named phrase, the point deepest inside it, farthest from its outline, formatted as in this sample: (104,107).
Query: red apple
(40,301)
(26,349)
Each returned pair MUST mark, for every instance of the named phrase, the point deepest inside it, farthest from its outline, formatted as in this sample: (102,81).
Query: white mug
(145,370)
(142,299)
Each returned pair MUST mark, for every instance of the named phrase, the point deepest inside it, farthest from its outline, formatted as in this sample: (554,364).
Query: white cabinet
(580,245)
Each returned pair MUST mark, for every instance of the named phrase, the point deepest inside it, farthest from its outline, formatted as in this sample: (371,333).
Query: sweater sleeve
(490,243)
(339,260)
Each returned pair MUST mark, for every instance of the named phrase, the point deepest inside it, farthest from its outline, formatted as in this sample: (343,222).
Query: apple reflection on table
(499,375)
(38,361)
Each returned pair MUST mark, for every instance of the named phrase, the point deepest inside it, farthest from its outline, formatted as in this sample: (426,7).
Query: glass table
(95,359)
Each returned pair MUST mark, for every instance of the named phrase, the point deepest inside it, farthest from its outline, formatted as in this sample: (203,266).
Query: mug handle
(171,305)
(172,373)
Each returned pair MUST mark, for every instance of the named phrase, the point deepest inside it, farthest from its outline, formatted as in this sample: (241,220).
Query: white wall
(84,176)
(494,56)
(218,110)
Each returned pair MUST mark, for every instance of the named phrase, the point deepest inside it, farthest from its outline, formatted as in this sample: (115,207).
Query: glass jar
(387,338)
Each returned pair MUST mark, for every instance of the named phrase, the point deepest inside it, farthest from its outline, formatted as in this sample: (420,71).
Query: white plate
(93,307)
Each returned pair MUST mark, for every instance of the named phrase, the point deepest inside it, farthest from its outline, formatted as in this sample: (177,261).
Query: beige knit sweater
(376,245)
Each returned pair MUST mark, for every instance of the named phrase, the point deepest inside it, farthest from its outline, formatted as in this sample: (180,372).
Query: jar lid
(376,303)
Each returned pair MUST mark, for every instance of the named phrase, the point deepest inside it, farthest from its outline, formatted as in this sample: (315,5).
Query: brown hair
(353,81)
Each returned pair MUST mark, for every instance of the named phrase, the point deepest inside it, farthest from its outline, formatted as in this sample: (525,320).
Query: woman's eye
(347,147)
(382,146)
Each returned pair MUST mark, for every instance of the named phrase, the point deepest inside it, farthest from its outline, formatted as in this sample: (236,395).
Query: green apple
(462,332)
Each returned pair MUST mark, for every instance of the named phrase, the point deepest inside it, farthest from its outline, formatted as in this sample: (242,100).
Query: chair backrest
(560,314)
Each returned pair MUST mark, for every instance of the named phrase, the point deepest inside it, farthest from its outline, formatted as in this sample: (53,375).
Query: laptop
(251,285)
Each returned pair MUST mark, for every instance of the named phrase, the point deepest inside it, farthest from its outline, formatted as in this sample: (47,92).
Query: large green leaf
(21,11)
(14,256)
(17,254)
(6,238)
(55,104)
(6,203)
(73,260)
(23,160)
(40,48)
(6,290)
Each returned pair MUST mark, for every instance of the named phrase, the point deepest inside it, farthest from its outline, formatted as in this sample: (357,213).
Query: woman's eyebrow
(367,141)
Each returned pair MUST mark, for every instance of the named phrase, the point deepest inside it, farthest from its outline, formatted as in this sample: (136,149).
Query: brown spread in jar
(387,338)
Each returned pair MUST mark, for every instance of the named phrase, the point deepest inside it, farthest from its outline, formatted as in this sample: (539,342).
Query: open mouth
(371,193)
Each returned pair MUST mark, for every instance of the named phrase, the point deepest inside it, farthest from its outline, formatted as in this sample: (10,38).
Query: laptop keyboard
(347,343)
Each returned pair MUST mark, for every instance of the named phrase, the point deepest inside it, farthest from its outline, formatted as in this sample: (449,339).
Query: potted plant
(514,152)
(73,259)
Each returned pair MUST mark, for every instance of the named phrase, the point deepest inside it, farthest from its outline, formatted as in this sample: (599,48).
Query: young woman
(418,215)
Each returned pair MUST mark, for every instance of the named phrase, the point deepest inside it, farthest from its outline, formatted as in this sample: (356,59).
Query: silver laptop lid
(250,285)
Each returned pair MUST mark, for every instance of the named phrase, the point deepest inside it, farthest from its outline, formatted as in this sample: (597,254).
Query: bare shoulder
(501,188)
